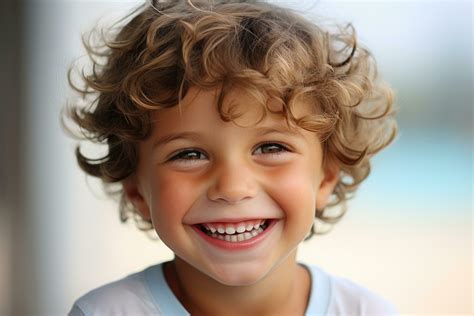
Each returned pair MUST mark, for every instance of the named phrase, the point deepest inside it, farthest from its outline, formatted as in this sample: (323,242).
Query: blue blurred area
(424,170)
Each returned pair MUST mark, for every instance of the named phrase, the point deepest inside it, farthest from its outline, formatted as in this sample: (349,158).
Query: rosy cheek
(295,180)
(173,195)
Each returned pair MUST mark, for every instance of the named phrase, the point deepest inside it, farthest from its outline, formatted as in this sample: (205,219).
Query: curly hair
(163,48)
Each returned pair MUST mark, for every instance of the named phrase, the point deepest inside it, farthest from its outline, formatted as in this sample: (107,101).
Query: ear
(328,183)
(133,194)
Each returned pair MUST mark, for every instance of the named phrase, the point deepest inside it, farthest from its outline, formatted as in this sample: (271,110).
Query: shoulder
(334,295)
(348,297)
(129,295)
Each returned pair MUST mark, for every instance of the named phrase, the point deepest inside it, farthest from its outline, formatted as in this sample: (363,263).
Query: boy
(231,126)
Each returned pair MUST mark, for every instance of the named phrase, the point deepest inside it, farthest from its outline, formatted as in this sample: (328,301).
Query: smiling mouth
(235,233)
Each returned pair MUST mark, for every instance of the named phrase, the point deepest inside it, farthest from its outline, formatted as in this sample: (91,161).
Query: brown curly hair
(149,60)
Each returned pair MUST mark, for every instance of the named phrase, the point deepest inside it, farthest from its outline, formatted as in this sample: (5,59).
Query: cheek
(172,196)
(293,187)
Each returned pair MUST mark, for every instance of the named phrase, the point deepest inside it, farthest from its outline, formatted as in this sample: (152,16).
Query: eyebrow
(260,131)
(174,136)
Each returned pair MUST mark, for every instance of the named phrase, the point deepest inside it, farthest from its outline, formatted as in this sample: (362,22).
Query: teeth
(238,237)
(229,230)
(210,228)
(220,229)
(235,232)
(240,228)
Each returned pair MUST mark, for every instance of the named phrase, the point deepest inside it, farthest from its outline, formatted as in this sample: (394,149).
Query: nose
(232,183)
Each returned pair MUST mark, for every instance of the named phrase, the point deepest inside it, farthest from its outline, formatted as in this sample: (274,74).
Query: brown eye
(270,148)
(189,155)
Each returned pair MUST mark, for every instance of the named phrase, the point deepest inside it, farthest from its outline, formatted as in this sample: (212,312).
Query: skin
(231,171)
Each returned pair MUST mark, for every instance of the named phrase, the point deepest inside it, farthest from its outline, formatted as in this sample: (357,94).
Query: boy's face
(198,175)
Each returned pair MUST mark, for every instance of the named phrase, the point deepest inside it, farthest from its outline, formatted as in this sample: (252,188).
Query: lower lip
(239,245)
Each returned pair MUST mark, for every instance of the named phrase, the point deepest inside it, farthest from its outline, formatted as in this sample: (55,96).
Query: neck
(285,290)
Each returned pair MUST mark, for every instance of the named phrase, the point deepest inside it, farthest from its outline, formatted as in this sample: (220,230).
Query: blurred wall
(11,109)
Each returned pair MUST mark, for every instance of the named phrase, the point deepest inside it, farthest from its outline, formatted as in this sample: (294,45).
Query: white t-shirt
(147,293)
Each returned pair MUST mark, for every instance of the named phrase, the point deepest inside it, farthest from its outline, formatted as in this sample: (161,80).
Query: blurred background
(407,234)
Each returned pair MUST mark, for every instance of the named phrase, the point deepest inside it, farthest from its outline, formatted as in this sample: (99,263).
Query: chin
(239,274)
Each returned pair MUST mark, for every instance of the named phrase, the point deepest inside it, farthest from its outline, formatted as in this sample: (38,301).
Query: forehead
(199,108)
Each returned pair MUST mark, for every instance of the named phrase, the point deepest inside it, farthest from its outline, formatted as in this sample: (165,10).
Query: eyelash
(282,148)
(181,156)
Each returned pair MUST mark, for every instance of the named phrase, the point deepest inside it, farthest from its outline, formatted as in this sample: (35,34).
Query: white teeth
(241,228)
(232,233)
(233,228)
(210,227)
(229,230)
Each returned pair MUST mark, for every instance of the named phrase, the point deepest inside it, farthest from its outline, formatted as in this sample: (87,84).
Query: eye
(188,155)
(271,149)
